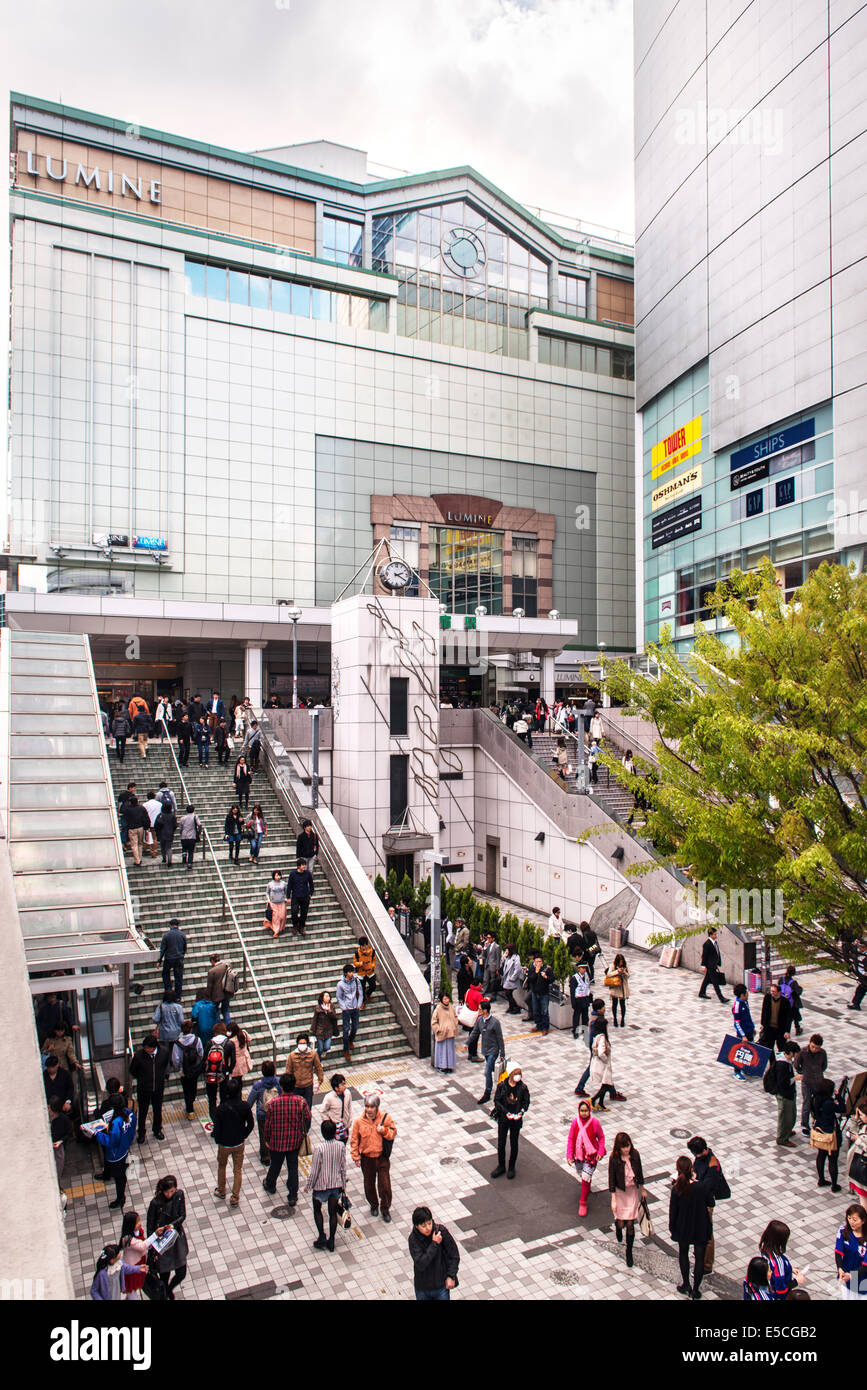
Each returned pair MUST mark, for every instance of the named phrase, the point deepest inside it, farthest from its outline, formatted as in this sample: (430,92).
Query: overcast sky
(535,94)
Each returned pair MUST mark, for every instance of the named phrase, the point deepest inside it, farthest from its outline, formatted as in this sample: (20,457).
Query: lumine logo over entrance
(77,1343)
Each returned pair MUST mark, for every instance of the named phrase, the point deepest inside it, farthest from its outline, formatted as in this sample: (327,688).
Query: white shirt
(153,809)
(555,924)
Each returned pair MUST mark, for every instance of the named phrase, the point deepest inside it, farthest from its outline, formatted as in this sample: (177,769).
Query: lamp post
(294,614)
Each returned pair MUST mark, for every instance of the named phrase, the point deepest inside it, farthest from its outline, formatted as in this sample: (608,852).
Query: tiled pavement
(519,1239)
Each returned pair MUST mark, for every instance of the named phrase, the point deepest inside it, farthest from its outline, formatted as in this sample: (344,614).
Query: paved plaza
(520,1239)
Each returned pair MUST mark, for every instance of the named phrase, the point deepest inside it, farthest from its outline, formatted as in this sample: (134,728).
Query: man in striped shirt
(326,1181)
(287,1120)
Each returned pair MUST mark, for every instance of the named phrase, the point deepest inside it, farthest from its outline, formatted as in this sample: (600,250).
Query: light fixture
(554,615)
(442,825)
(293,613)
(602,646)
(517,612)
(540,838)
(481,611)
(618,853)
(444,608)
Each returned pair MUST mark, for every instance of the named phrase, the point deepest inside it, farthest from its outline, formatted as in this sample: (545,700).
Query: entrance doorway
(492,866)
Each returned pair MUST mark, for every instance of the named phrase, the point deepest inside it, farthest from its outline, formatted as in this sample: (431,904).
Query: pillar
(546,681)
(253,673)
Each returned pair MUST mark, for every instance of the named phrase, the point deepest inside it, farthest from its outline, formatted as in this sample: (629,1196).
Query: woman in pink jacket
(584,1148)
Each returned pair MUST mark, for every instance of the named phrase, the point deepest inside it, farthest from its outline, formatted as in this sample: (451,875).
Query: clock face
(396,574)
(463,251)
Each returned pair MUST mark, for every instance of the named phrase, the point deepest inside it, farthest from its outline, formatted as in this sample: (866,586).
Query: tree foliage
(762,754)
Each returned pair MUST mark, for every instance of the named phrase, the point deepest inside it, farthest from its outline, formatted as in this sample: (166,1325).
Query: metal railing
(227,901)
(411,1011)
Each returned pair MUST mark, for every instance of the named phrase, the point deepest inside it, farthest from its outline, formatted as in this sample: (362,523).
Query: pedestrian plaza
(520,1239)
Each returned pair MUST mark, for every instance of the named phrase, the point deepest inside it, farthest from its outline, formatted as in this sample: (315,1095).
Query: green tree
(422,897)
(445,978)
(379,885)
(407,894)
(562,962)
(762,752)
(391,885)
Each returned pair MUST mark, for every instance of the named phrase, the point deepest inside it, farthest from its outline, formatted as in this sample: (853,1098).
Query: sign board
(750,465)
(676,447)
(109,538)
(149,543)
(744,1056)
(675,488)
(676,523)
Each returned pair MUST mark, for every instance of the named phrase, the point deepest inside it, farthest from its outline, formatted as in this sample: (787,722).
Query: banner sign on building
(149,543)
(677,487)
(676,447)
(676,523)
(750,465)
(107,539)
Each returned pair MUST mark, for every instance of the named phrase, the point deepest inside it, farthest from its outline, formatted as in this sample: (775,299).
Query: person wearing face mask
(301,1065)
(584,1148)
(511,1103)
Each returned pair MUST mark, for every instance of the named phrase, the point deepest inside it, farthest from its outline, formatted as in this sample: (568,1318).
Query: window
(399,787)
(572,296)
(398,700)
(407,541)
(614,300)
(525,592)
(466,569)
(581,356)
(341,241)
(285,296)
(465,281)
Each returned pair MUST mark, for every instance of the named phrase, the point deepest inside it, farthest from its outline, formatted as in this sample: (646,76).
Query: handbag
(503,1073)
(387,1144)
(826,1142)
(305,1148)
(858,1169)
(269,913)
(612,980)
(645,1223)
(344,1218)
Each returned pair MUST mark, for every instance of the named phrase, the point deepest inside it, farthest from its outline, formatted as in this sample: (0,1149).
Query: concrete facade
(751,288)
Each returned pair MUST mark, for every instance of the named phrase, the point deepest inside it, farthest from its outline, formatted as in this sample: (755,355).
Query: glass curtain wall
(467,569)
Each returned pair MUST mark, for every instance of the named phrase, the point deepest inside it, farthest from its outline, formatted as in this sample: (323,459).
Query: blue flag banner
(747,1057)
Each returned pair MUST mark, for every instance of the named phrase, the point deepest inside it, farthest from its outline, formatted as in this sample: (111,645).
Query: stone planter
(560,1012)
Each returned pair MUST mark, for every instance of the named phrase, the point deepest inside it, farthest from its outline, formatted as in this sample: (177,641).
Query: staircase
(610,792)
(291,971)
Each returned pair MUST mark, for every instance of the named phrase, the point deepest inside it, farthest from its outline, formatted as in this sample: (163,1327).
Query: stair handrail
(227,901)
(412,1009)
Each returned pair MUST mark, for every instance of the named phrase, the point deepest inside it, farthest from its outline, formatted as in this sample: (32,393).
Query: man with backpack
(188,1057)
(148,1070)
(173,948)
(710,1178)
(123,802)
(252,746)
(142,727)
(191,830)
(779,1081)
(221,985)
(165,829)
(121,728)
(219,1064)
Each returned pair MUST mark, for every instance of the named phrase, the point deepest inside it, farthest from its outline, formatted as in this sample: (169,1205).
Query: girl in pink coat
(584,1148)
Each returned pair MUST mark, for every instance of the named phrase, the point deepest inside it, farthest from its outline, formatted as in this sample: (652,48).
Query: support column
(253,673)
(546,678)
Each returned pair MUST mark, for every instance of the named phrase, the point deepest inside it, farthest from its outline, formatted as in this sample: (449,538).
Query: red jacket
(474,997)
(592,1135)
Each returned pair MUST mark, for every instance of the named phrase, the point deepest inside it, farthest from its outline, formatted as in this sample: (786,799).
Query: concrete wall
(33,1246)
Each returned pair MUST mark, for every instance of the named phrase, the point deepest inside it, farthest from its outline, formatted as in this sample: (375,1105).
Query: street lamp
(293,614)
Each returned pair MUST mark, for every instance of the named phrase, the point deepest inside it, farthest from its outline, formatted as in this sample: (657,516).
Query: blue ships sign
(750,465)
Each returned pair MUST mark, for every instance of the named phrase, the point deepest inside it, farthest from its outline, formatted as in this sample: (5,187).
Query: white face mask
(302,1047)
(516,1080)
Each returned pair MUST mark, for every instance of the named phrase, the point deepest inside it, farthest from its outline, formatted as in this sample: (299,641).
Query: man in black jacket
(221,741)
(138,821)
(185,733)
(540,978)
(787,1098)
(58,1082)
(300,886)
(233,1121)
(776,1018)
(122,803)
(711,963)
(307,845)
(709,1176)
(435,1258)
(148,1069)
(173,948)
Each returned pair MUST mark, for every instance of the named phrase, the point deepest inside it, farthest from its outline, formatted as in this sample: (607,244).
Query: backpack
(215,1064)
(770,1081)
(166,799)
(191,1063)
(231,982)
